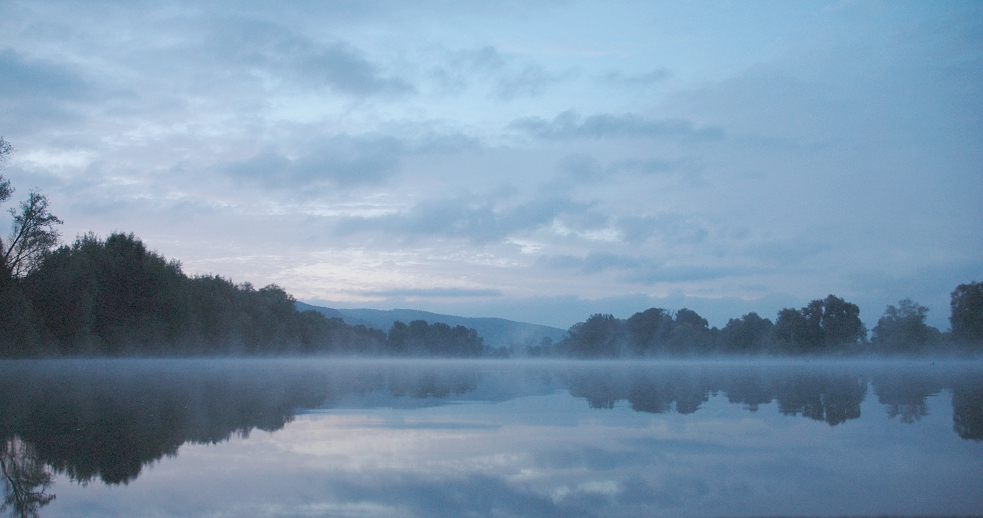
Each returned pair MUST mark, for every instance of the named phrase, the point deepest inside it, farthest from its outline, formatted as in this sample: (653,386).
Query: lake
(405,438)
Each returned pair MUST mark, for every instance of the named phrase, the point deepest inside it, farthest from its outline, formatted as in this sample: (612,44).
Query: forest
(829,326)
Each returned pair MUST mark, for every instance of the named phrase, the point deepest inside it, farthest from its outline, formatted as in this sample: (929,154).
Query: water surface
(490,438)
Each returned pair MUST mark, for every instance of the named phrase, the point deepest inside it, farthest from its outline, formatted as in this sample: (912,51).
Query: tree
(822,326)
(746,335)
(648,331)
(33,235)
(33,231)
(903,328)
(599,336)
(967,313)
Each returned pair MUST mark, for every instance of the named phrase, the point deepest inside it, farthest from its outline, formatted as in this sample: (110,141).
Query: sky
(537,161)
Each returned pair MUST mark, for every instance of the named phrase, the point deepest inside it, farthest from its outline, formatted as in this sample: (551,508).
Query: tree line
(824,326)
(114,297)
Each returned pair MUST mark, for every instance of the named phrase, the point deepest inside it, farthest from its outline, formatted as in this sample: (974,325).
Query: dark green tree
(903,329)
(648,331)
(690,334)
(967,314)
(824,325)
(749,334)
(109,297)
(600,336)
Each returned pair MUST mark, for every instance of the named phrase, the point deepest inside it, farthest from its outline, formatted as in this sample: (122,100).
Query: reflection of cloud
(540,452)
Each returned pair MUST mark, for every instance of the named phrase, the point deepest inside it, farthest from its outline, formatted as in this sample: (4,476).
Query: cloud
(36,93)
(22,78)
(656,76)
(434,292)
(571,125)
(471,218)
(638,269)
(346,70)
(581,167)
(508,80)
(671,228)
(341,160)
(266,50)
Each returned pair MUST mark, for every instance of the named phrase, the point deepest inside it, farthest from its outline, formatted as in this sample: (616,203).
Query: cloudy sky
(539,161)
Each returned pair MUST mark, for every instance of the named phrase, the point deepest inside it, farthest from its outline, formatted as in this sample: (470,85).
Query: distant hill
(496,332)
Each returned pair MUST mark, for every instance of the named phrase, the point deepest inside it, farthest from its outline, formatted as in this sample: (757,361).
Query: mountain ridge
(496,332)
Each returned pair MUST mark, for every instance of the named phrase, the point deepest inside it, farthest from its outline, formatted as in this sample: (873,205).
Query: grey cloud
(788,252)
(346,70)
(22,78)
(474,219)
(36,93)
(672,228)
(648,78)
(649,166)
(531,81)
(284,54)
(585,168)
(434,292)
(581,167)
(510,80)
(342,160)
(640,269)
(571,125)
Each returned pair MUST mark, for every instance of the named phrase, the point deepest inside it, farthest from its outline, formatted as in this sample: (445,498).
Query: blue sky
(539,161)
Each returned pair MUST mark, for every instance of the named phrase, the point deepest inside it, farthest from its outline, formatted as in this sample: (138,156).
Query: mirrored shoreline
(105,422)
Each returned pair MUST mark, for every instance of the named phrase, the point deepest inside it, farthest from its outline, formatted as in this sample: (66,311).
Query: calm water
(486,438)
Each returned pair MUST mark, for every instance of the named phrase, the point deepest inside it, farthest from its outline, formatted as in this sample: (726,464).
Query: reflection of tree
(830,397)
(25,479)
(967,409)
(833,398)
(903,394)
(106,420)
(653,392)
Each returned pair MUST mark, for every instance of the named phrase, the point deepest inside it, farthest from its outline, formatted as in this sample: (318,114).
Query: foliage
(438,339)
(826,325)
(749,334)
(967,314)
(903,329)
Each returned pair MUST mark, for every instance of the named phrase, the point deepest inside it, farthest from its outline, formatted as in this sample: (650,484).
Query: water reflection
(109,420)
(25,479)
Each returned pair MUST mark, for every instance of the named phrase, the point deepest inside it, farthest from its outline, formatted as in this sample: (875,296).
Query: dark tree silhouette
(967,314)
(826,325)
(903,329)
(648,331)
(599,336)
(749,334)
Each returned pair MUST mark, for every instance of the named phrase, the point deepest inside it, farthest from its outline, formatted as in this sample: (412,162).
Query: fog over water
(490,438)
